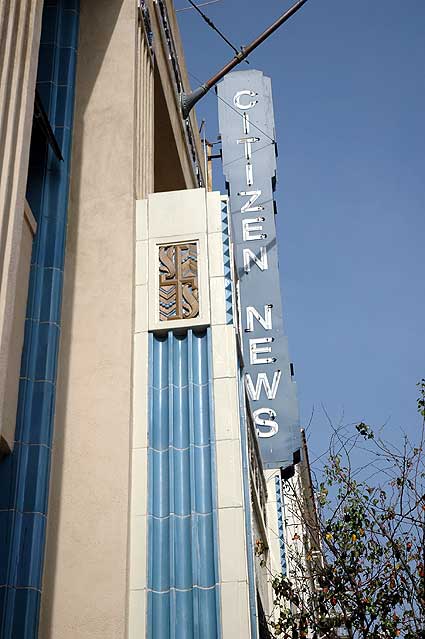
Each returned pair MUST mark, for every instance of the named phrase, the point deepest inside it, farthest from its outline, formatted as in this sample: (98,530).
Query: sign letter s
(269,423)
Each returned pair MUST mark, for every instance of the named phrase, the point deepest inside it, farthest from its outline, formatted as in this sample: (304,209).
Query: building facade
(132,489)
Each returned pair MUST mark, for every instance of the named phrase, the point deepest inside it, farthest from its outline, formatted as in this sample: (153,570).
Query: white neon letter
(249,174)
(255,350)
(237,99)
(269,423)
(261,261)
(248,142)
(253,197)
(250,225)
(266,321)
(262,380)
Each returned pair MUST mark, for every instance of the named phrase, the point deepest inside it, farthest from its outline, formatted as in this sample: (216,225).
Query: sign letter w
(262,380)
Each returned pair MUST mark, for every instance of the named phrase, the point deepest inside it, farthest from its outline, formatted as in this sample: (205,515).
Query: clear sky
(348,81)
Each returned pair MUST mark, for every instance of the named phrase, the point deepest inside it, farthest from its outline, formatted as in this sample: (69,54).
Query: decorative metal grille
(178,281)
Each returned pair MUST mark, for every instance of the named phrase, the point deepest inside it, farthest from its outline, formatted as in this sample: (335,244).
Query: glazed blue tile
(200,359)
(204,542)
(30,561)
(67,61)
(34,296)
(208,606)
(66,145)
(160,483)
(45,92)
(160,354)
(181,482)
(20,464)
(160,578)
(160,407)
(186,483)
(184,622)
(150,496)
(15,547)
(55,187)
(181,416)
(6,620)
(51,299)
(26,614)
(159,615)
(201,408)
(6,519)
(203,490)
(55,193)
(24,403)
(59,131)
(46,359)
(44,299)
(64,108)
(38,466)
(71,5)
(46,62)
(55,181)
(34,406)
(7,469)
(51,249)
(68,36)
(180,360)
(49,24)
(21,455)
(183,577)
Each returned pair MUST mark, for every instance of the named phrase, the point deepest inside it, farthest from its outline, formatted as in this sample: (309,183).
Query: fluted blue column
(24,475)
(183,590)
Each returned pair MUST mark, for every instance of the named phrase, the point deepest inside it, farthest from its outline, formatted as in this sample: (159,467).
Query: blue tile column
(183,582)
(24,475)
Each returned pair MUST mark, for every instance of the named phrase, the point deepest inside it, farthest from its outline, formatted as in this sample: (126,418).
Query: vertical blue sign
(249,163)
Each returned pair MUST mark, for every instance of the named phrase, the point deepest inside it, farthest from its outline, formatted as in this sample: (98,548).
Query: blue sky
(349,96)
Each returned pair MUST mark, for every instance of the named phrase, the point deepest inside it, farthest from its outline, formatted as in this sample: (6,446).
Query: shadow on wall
(168,175)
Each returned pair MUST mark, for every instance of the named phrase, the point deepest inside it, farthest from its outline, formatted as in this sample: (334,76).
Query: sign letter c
(237,100)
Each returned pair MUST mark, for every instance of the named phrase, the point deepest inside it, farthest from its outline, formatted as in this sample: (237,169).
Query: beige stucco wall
(85,576)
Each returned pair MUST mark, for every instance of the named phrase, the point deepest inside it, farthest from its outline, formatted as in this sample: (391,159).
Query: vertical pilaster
(20,24)
(144,100)
(24,475)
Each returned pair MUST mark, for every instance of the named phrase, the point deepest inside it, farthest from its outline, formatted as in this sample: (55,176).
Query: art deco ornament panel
(178,281)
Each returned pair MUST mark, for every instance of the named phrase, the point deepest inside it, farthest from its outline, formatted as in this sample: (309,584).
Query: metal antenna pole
(188,100)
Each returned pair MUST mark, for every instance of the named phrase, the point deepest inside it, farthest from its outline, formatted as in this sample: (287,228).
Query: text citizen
(260,348)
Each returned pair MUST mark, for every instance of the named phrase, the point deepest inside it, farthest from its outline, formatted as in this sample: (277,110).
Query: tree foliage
(356,569)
